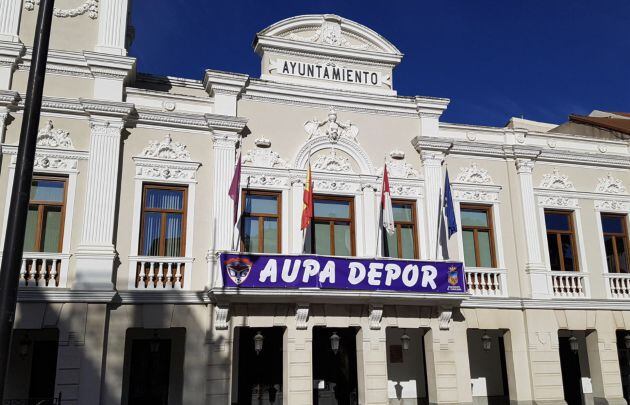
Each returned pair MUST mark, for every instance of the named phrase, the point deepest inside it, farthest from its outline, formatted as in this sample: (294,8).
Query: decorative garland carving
(475,195)
(89,6)
(331,129)
(166,149)
(333,163)
(49,137)
(264,180)
(558,201)
(329,33)
(612,205)
(473,174)
(400,169)
(263,157)
(556,181)
(610,185)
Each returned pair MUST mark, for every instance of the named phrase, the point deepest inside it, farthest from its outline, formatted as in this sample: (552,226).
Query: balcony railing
(486,282)
(40,269)
(566,284)
(618,285)
(153,272)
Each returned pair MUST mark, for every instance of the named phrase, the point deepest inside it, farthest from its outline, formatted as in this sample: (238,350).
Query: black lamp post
(20,194)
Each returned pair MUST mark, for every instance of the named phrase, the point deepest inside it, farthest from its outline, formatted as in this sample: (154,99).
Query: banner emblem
(453,275)
(238,269)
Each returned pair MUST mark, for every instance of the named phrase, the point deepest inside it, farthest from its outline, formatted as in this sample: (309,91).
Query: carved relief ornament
(331,128)
(88,6)
(50,137)
(610,185)
(474,175)
(166,149)
(556,181)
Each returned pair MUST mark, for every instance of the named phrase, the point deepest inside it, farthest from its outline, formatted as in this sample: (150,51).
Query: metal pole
(20,194)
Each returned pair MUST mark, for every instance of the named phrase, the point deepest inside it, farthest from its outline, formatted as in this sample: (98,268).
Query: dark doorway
(43,369)
(571,376)
(259,373)
(149,371)
(624,362)
(335,374)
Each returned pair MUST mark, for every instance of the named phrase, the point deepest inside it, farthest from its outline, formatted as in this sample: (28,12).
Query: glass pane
(164,199)
(261,204)
(31,229)
(151,234)
(612,224)
(557,221)
(554,254)
(332,209)
(343,240)
(47,190)
(322,238)
(623,255)
(403,212)
(567,251)
(469,248)
(390,246)
(485,254)
(51,229)
(406,235)
(474,218)
(173,237)
(610,254)
(250,234)
(270,229)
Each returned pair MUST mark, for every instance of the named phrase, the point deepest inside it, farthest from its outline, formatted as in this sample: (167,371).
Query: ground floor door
(149,372)
(571,376)
(624,363)
(335,366)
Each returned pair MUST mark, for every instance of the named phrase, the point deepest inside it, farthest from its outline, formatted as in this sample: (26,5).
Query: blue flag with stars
(449,210)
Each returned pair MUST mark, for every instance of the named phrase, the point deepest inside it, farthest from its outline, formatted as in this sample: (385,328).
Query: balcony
(565,284)
(40,269)
(154,272)
(617,285)
(486,282)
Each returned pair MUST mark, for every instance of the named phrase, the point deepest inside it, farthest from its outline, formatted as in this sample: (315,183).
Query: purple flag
(235,187)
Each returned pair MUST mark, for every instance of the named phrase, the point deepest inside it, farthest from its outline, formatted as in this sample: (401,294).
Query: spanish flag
(307,199)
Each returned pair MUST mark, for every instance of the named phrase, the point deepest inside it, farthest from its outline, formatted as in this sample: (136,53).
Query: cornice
(9,98)
(170,119)
(551,304)
(605,160)
(431,144)
(130,297)
(101,108)
(216,81)
(59,295)
(226,123)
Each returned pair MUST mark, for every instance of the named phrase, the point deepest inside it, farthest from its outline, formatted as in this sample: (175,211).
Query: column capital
(524,165)
(218,82)
(431,147)
(224,140)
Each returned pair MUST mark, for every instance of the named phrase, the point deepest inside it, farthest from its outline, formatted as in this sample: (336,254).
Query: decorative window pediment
(557,201)
(610,185)
(50,137)
(331,128)
(556,181)
(263,156)
(166,160)
(473,174)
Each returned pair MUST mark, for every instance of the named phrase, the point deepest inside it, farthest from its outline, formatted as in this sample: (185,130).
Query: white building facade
(123,296)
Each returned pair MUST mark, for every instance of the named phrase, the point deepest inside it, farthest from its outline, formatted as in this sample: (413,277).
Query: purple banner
(327,272)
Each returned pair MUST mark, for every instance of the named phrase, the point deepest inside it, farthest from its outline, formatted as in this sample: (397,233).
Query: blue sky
(494,59)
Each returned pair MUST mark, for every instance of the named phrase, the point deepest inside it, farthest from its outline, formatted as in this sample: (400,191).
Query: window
(478,236)
(163,221)
(403,243)
(561,240)
(616,242)
(260,222)
(44,223)
(332,228)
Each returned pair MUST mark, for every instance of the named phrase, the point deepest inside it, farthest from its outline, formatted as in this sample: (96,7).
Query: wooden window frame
(261,225)
(164,212)
(41,208)
(407,224)
(490,229)
(615,235)
(558,234)
(331,222)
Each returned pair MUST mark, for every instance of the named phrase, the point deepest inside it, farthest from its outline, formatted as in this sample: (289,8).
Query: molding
(551,201)
(301,316)
(612,205)
(59,295)
(130,297)
(375,316)
(344,144)
(473,175)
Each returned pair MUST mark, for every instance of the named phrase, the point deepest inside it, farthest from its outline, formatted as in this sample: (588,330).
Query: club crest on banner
(238,269)
(453,275)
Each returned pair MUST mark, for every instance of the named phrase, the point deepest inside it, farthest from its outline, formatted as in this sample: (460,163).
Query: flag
(449,211)
(307,199)
(235,187)
(387,213)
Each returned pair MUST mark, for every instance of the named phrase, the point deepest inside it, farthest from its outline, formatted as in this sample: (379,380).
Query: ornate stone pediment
(166,149)
(331,128)
(473,174)
(49,137)
(556,181)
(262,156)
(333,163)
(610,185)
(329,33)
(400,169)
(89,7)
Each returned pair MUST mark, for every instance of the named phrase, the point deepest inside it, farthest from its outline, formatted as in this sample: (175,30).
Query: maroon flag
(235,187)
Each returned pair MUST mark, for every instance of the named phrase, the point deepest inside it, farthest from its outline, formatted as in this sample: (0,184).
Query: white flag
(386,205)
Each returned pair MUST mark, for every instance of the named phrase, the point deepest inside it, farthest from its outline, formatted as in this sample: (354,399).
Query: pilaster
(534,266)
(224,150)
(429,112)
(603,360)
(96,252)
(9,20)
(226,88)
(219,350)
(298,375)
(372,365)
(10,51)
(371,217)
(112,27)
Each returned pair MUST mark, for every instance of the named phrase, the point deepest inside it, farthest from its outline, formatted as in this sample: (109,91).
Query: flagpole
(379,224)
(440,218)
(307,180)
(238,186)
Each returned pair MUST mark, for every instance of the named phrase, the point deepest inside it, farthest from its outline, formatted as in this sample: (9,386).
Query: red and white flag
(387,213)
(235,188)
(307,199)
